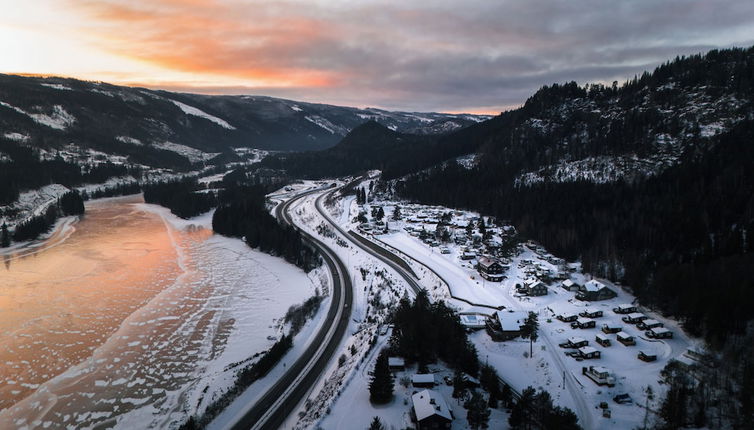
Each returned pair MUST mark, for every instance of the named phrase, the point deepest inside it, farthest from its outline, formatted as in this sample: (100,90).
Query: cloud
(440,55)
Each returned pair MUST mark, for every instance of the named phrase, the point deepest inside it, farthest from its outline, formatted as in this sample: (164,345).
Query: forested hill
(374,146)
(650,182)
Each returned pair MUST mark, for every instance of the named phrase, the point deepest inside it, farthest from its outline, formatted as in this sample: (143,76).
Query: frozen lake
(132,317)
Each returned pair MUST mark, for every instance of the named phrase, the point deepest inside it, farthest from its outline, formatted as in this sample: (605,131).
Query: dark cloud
(443,55)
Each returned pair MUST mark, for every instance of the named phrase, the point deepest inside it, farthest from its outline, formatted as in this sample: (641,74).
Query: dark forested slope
(650,183)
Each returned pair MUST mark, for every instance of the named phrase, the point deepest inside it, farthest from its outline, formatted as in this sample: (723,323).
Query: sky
(480,56)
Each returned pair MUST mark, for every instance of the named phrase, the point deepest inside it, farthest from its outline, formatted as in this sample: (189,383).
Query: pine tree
(478,414)
(376,424)
(397,213)
(381,386)
(531,328)
(4,237)
(459,384)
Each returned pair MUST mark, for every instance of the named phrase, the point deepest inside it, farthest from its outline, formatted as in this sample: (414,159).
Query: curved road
(271,410)
(381,254)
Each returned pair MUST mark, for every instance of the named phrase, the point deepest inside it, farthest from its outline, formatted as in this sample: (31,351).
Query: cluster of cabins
(580,347)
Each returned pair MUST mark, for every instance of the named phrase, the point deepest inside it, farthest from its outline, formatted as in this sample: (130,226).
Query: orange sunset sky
(472,56)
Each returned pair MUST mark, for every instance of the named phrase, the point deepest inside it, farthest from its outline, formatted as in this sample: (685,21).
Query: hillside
(374,146)
(648,183)
(71,132)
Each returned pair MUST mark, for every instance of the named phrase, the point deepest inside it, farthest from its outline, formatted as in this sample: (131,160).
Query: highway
(391,260)
(281,400)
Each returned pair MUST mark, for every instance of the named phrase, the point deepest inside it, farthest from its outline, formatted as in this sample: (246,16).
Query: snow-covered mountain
(50,112)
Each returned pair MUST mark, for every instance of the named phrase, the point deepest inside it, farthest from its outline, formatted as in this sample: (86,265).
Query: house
(659,333)
(583,323)
(505,325)
(423,380)
(634,318)
(536,289)
(600,375)
(591,314)
(645,356)
(611,328)
(587,352)
(625,338)
(602,339)
(594,291)
(625,309)
(430,411)
(473,321)
(569,285)
(468,255)
(574,342)
(648,324)
(490,269)
(396,364)
(567,317)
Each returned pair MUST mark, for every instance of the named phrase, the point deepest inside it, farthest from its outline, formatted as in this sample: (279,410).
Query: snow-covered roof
(635,315)
(626,306)
(623,335)
(486,261)
(575,340)
(602,336)
(568,283)
(650,322)
(472,320)
(584,320)
(594,286)
(395,362)
(659,330)
(511,321)
(586,350)
(601,369)
(423,378)
(428,403)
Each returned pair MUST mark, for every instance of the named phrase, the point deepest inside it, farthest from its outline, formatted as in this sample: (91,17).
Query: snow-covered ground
(549,368)
(190,110)
(32,203)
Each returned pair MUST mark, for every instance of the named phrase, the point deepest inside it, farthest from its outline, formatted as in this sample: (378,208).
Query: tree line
(67,204)
(182,197)
(242,212)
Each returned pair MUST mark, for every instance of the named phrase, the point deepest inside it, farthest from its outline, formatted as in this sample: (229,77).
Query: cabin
(468,255)
(429,411)
(594,291)
(648,324)
(569,285)
(648,357)
(396,364)
(423,380)
(600,375)
(602,340)
(506,325)
(587,352)
(625,338)
(634,318)
(490,269)
(625,309)
(536,289)
(583,323)
(574,342)
(591,314)
(659,333)
(567,317)
(473,321)
(611,328)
